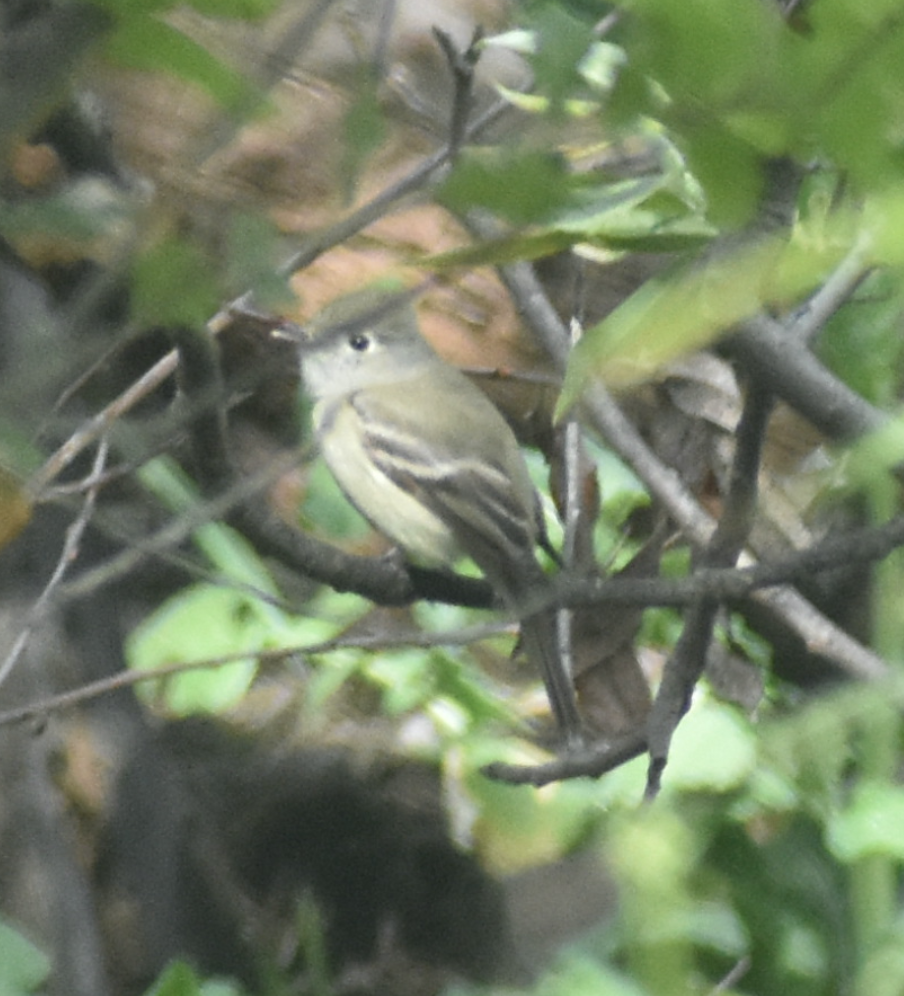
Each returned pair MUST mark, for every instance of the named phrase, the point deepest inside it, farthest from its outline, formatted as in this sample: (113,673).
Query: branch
(590,763)
(383,580)
(416,180)
(462,64)
(686,662)
(605,417)
(769,352)
(68,555)
(136,676)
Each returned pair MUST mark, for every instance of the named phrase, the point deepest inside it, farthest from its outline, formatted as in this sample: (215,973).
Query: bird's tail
(540,640)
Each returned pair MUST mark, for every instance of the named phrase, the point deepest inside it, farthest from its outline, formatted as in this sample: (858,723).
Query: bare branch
(68,555)
(588,763)
(688,658)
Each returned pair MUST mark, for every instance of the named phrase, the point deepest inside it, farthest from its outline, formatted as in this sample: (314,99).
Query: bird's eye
(359,341)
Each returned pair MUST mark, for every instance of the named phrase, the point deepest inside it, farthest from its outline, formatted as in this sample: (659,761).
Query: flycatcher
(430,461)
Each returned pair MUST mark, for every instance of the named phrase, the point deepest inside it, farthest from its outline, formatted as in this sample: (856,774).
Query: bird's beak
(291,332)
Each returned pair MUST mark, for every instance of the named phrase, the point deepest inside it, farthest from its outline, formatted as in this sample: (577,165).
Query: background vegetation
(238,760)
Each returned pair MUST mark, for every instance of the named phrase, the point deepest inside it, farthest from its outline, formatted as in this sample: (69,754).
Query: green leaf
(585,976)
(713,749)
(730,171)
(23,967)
(145,42)
(521,186)
(882,973)
(177,979)
(223,546)
(562,43)
(200,623)
(246,10)
(364,130)
(253,247)
(404,677)
(84,218)
(676,315)
(515,829)
(635,215)
(862,344)
(870,824)
(173,285)
(327,508)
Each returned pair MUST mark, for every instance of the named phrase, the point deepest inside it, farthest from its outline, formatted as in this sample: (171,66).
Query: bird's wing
(469,472)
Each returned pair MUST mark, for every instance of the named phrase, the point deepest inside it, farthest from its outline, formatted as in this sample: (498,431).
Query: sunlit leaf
(673,316)
(562,42)
(200,623)
(713,748)
(23,967)
(870,823)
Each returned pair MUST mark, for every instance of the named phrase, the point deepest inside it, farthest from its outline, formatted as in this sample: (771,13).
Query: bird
(430,462)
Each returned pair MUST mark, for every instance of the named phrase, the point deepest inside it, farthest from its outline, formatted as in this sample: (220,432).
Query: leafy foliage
(776,846)
(23,967)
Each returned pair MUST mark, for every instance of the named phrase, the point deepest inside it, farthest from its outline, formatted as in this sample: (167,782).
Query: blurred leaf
(404,677)
(327,508)
(729,169)
(364,130)
(714,748)
(711,56)
(562,42)
(869,462)
(670,317)
(145,42)
(173,284)
(179,979)
(15,507)
(23,967)
(200,623)
(83,221)
(514,829)
(870,823)
(635,215)
(584,976)
(522,186)
(223,546)
(862,343)
(246,10)
(882,973)
(254,245)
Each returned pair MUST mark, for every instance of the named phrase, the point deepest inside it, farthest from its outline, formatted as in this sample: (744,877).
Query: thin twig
(462,65)
(606,417)
(564,618)
(587,763)
(688,658)
(737,972)
(416,180)
(68,556)
(839,287)
(100,424)
(127,679)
